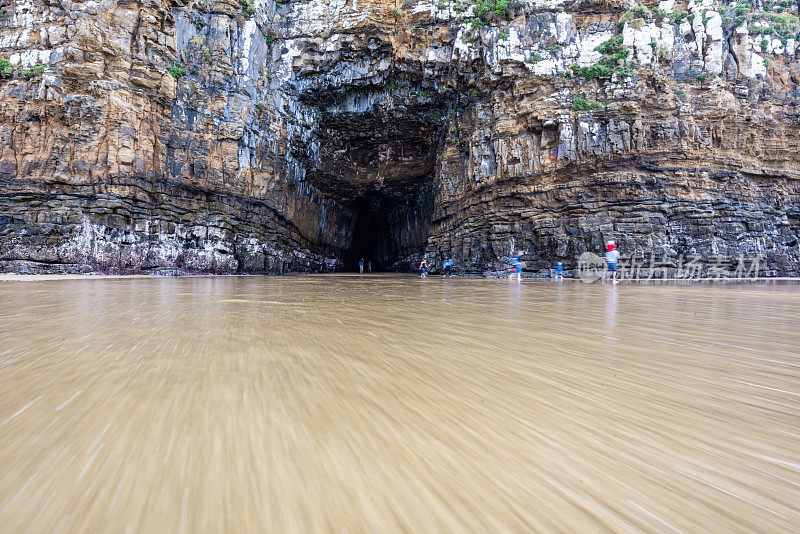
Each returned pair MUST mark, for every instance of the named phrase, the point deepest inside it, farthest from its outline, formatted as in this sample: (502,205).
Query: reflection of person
(612,259)
(560,271)
(516,266)
(448,267)
(361,266)
(611,310)
(423,267)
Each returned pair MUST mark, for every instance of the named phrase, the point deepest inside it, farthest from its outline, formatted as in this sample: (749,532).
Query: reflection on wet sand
(382,403)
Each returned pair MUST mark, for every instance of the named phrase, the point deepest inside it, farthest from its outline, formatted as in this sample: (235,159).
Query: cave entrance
(371,235)
(388,230)
(377,159)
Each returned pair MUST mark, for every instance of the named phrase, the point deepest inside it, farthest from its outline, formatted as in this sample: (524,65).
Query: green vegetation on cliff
(581,104)
(783,26)
(33,71)
(484,13)
(249,10)
(614,61)
(177,71)
(6,68)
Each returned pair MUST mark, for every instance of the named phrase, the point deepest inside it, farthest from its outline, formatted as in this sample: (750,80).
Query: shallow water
(388,404)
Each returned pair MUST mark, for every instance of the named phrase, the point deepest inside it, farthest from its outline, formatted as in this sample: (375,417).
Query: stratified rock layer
(227,136)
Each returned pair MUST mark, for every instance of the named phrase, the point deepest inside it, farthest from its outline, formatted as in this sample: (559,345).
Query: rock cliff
(255,136)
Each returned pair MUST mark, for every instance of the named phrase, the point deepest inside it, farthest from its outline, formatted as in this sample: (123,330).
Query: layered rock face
(254,136)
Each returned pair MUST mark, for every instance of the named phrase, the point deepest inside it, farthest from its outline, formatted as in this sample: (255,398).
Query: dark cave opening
(370,236)
(380,165)
(389,230)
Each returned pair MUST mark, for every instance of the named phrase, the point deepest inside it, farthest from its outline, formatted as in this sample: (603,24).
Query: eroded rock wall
(109,163)
(237,136)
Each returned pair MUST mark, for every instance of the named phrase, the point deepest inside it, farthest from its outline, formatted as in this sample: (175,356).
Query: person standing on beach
(361,266)
(423,267)
(612,259)
(560,271)
(369,266)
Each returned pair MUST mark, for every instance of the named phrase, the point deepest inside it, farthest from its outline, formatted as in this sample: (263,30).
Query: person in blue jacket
(516,266)
(448,267)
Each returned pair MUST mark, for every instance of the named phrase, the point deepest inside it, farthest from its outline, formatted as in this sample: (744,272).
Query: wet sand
(390,404)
